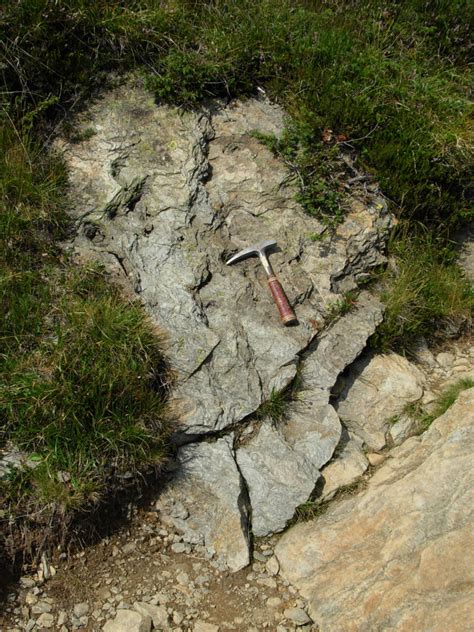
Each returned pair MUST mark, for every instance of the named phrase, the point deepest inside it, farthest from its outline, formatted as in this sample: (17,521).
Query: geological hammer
(286,313)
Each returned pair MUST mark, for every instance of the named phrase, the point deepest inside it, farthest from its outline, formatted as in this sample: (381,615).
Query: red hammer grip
(287,314)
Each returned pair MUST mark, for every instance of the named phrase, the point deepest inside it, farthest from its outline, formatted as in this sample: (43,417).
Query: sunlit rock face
(163,197)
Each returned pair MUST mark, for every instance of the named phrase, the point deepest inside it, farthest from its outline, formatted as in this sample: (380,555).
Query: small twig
(354,140)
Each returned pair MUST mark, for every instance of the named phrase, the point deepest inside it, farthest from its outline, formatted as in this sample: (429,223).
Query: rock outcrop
(398,556)
(162,198)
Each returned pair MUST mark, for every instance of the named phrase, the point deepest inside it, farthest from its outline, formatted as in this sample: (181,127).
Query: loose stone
(128,621)
(46,620)
(297,615)
(81,609)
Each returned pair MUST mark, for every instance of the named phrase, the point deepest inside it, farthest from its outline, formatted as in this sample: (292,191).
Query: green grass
(342,306)
(82,372)
(275,407)
(313,509)
(312,164)
(87,399)
(424,293)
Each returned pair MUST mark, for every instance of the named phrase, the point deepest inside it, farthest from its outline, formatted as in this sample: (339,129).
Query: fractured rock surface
(162,198)
(346,468)
(278,477)
(398,556)
(211,500)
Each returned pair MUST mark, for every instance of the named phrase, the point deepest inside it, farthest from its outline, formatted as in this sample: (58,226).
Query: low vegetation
(312,164)
(445,400)
(86,401)
(83,378)
(424,292)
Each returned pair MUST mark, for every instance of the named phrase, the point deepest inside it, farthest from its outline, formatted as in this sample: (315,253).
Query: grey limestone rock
(209,485)
(162,198)
(281,465)
(378,390)
(278,479)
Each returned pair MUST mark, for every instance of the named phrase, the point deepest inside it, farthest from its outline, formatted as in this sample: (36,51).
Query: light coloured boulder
(398,556)
(128,621)
(347,466)
(378,389)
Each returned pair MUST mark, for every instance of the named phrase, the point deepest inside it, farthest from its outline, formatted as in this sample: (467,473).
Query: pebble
(182,578)
(375,459)
(177,618)
(27,582)
(128,620)
(273,602)
(158,614)
(267,581)
(62,618)
(81,609)
(179,547)
(46,620)
(272,566)
(445,359)
(129,548)
(31,599)
(297,615)
(41,607)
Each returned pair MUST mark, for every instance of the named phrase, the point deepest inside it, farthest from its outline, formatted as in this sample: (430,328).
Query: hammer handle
(286,313)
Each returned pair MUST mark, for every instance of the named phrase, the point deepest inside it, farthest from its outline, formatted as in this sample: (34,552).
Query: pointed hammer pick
(286,312)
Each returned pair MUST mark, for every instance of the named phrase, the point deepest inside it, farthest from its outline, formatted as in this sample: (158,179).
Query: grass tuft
(311,163)
(88,399)
(424,292)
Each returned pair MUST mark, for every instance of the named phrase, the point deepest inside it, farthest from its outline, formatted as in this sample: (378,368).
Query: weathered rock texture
(163,198)
(398,556)
(347,466)
(378,390)
(210,503)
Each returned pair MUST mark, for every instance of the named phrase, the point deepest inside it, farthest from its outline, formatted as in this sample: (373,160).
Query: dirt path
(145,564)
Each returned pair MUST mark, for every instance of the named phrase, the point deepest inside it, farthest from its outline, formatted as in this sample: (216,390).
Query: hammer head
(258,249)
